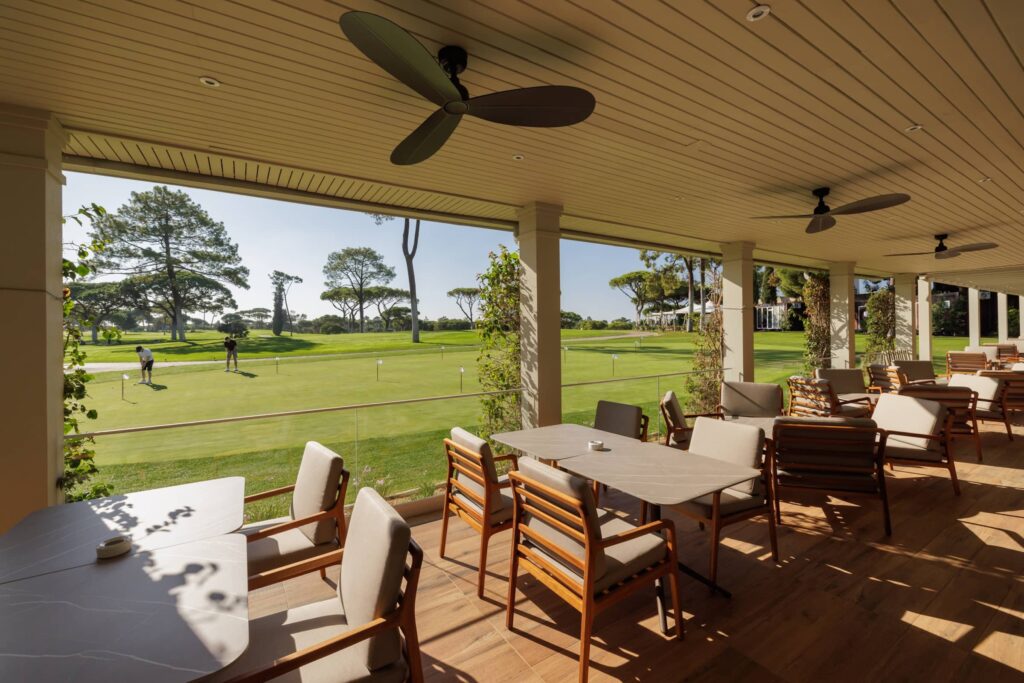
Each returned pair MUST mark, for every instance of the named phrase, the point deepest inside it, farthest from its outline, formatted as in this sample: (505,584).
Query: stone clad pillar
(924,319)
(974,316)
(843,314)
(31,409)
(540,314)
(1003,316)
(738,310)
(905,300)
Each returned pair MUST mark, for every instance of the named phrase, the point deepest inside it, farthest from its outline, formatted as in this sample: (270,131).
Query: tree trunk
(703,295)
(95,333)
(410,254)
(689,295)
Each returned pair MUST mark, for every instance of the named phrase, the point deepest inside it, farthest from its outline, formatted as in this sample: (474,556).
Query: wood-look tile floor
(942,600)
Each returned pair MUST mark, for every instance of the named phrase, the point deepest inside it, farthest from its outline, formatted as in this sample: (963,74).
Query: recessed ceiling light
(984,180)
(209,81)
(518,157)
(913,129)
(759,13)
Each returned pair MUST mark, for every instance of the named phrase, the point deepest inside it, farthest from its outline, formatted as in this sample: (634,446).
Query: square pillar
(924,319)
(1003,316)
(540,314)
(31,357)
(738,311)
(973,316)
(905,286)
(843,314)
(1020,317)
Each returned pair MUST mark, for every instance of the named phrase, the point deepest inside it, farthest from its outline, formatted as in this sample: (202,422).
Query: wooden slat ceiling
(703,119)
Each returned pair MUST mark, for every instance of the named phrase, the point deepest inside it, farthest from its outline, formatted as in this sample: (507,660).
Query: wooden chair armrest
(269,494)
(914,434)
(863,399)
(291,524)
(298,659)
(290,571)
(508,456)
(719,415)
(642,530)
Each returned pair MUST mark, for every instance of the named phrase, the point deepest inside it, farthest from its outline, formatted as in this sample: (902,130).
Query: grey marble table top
(557,442)
(65,536)
(162,614)
(658,474)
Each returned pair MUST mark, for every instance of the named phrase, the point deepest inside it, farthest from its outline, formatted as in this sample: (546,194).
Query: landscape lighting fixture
(209,81)
(759,13)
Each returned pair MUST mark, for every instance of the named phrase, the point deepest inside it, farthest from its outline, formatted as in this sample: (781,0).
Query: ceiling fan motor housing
(822,207)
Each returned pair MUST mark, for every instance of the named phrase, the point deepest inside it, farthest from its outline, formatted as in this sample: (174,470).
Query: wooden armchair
(316,521)
(817,398)
(677,433)
(739,444)
(999,394)
(962,404)
(473,486)
(622,419)
(918,432)
(588,557)
(367,632)
(842,457)
(962,362)
(879,381)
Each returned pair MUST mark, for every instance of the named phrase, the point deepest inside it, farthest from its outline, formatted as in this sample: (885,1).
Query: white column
(924,319)
(905,293)
(540,314)
(1020,317)
(973,316)
(31,409)
(738,310)
(843,314)
(1003,316)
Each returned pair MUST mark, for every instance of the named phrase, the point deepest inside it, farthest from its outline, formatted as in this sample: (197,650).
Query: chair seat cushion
(832,481)
(282,633)
(731,502)
(904,452)
(503,513)
(854,410)
(280,549)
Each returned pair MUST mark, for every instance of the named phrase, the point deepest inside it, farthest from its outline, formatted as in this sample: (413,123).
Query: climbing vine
(499,361)
(703,387)
(881,321)
(817,336)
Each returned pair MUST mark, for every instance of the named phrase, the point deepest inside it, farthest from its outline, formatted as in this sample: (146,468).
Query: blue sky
(296,238)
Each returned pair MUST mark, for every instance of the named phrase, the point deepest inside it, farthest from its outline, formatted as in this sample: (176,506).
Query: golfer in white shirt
(146,361)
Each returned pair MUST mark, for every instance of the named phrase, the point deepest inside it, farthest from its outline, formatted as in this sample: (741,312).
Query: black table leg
(659,585)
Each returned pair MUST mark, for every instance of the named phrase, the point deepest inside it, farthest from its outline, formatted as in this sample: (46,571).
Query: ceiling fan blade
(394,49)
(795,215)
(543,106)
(429,137)
(882,201)
(949,253)
(977,246)
(914,253)
(820,223)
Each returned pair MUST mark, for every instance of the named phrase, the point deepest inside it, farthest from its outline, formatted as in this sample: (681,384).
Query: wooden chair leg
(323,573)
(513,572)
(1009,428)
(977,441)
(773,537)
(412,650)
(444,522)
(716,534)
(953,477)
(677,603)
(885,502)
(586,625)
(482,571)
(643,512)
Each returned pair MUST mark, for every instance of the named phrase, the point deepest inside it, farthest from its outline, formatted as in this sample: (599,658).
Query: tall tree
(344,299)
(163,232)
(282,285)
(466,299)
(768,291)
(410,245)
(636,286)
(384,299)
(357,268)
(195,293)
(95,302)
(258,316)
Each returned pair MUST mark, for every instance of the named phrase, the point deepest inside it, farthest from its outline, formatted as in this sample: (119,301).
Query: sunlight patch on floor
(943,628)
(1005,648)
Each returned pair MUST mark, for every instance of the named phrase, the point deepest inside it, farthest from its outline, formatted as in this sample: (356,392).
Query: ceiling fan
(941,251)
(393,49)
(822,218)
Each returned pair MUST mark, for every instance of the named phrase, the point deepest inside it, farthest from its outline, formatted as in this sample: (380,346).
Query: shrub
(443,323)
(499,361)
(793,320)
(233,325)
(950,321)
(331,328)
(620,324)
(591,324)
(111,333)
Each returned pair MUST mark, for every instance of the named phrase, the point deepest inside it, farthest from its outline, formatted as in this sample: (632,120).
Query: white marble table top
(557,442)
(65,536)
(658,474)
(166,614)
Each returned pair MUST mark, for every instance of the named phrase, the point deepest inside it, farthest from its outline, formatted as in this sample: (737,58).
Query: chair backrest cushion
(619,418)
(811,397)
(916,370)
(732,442)
(796,445)
(844,380)
(576,488)
(316,489)
(376,550)
(991,352)
(909,414)
(1017,367)
(751,399)
(675,412)
(987,388)
(472,442)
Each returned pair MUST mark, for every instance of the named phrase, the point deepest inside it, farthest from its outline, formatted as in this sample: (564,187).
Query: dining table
(173,608)
(656,474)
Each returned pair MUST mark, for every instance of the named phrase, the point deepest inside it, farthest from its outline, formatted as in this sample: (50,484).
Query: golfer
(146,361)
(231,346)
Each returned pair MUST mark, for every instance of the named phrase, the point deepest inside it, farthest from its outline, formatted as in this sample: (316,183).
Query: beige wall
(540,314)
(31,414)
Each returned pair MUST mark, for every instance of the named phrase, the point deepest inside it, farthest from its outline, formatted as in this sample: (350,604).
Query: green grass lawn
(393,448)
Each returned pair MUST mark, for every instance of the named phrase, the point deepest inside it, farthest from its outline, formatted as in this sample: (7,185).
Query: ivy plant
(499,361)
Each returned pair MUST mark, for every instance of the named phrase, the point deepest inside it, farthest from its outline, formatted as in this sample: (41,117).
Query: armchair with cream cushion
(990,397)
(918,371)
(816,398)
(750,399)
(622,419)
(316,520)
(677,433)
(738,444)
(848,383)
(365,633)
(918,432)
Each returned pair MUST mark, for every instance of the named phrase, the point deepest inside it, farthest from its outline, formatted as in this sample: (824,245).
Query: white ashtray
(595,445)
(114,547)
